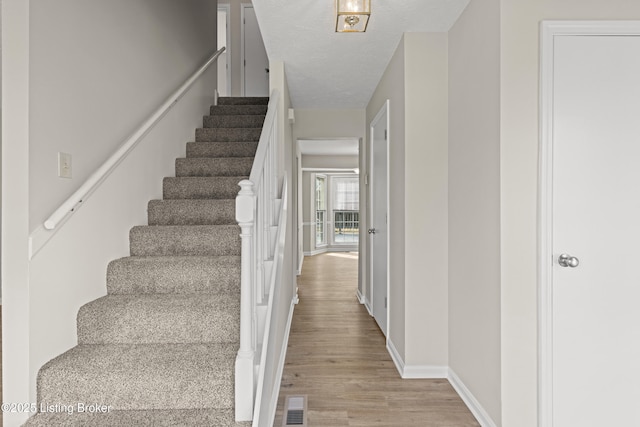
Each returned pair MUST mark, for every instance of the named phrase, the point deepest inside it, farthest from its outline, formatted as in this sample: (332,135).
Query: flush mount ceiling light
(352,16)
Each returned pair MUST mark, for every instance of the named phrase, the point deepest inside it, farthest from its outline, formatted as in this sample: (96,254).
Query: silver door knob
(566,260)
(372,231)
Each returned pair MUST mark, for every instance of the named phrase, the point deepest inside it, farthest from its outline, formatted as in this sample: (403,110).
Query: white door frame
(370,296)
(226,7)
(549,30)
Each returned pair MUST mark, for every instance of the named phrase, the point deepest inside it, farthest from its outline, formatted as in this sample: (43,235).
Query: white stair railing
(257,206)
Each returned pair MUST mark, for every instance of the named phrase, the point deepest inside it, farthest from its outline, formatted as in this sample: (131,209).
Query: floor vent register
(295,411)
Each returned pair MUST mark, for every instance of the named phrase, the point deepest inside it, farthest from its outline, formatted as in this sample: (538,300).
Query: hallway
(337,357)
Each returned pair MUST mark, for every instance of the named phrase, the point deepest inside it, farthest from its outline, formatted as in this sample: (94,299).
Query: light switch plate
(64,165)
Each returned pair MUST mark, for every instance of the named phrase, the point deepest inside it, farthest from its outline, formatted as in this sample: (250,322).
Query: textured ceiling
(326,69)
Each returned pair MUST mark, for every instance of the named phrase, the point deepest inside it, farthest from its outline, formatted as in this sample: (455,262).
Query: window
(321,210)
(345,203)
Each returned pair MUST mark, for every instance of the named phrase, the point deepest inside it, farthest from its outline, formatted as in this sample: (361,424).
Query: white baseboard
(330,249)
(395,356)
(273,401)
(361,298)
(469,399)
(342,249)
(315,252)
(425,372)
(415,371)
(299,271)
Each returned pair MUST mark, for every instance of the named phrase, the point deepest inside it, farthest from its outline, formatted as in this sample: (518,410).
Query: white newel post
(245,215)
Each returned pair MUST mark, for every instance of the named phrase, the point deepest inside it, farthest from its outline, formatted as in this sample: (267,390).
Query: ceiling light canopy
(352,16)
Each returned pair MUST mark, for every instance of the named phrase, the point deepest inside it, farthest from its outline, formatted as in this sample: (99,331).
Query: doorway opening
(254,64)
(328,196)
(329,199)
(224,39)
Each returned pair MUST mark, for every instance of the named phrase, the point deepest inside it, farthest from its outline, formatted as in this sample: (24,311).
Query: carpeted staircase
(160,347)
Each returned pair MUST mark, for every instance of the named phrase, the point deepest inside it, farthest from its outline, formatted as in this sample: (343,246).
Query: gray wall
(98,69)
(83,75)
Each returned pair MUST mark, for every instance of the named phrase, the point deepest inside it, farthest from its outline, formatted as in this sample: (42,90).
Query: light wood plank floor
(337,357)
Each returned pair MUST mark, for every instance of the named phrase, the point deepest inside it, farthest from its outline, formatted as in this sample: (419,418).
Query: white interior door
(255,64)
(596,219)
(378,237)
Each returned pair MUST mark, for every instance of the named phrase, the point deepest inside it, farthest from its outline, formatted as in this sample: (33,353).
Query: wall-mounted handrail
(80,196)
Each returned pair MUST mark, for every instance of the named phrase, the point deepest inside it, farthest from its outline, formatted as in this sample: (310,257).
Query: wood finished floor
(337,357)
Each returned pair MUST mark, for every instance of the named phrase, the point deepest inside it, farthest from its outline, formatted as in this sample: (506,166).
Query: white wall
(415,82)
(329,123)
(308,239)
(425,188)
(328,162)
(392,87)
(474,202)
(91,82)
(519,65)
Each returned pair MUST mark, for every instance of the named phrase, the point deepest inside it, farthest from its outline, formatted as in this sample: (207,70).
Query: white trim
(342,171)
(39,237)
(469,399)
(273,400)
(425,372)
(395,356)
(367,304)
(361,298)
(415,371)
(316,252)
(545,180)
(548,31)
(342,248)
(299,270)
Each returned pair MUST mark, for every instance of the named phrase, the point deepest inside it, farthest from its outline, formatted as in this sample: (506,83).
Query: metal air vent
(295,411)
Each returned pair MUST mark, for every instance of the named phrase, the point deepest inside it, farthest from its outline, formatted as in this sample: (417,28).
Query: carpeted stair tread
(227,134)
(227,110)
(142,376)
(222,149)
(141,418)
(174,274)
(160,240)
(243,100)
(160,318)
(192,212)
(233,121)
(159,349)
(191,187)
(222,166)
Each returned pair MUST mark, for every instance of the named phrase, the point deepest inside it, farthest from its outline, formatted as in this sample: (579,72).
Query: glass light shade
(352,16)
